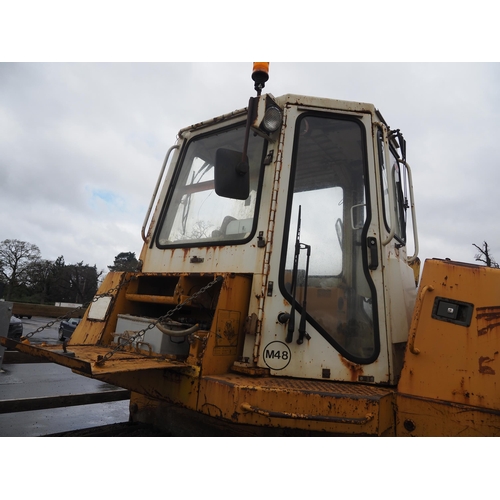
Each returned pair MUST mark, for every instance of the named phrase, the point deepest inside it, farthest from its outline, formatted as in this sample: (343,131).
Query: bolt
(410,425)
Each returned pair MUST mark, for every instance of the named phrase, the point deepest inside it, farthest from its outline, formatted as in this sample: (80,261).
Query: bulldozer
(280,292)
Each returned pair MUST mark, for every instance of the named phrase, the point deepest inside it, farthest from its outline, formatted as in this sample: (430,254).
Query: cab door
(325,319)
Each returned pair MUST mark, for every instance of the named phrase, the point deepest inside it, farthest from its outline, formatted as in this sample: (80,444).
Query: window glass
(328,184)
(385,182)
(400,205)
(399,216)
(195,213)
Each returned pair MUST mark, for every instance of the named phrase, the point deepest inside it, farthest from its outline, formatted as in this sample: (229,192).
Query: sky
(82,142)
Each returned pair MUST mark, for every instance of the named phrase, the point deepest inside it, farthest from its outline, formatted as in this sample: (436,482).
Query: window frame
(200,243)
(399,198)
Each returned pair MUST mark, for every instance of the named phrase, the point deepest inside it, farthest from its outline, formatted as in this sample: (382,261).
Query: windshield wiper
(291,322)
(302,325)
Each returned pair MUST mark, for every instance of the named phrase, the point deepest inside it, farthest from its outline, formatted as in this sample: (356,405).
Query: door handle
(371,243)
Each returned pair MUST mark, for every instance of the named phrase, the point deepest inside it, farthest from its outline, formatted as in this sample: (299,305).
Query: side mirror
(231,174)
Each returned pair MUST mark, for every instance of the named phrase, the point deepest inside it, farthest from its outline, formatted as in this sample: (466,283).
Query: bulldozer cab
(309,198)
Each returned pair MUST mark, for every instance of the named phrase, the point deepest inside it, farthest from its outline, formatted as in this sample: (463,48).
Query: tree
(15,259)
(485,256)
(81,281)
(29,278)
(125,261)
(56,281)
(37,283)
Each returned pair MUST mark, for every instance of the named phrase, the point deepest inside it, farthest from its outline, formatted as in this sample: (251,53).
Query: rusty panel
(449,361)
(134,364)
(224,342)
(423,417)
(337,408)
(90,331)
(55,354)
(83,358)
(179,386)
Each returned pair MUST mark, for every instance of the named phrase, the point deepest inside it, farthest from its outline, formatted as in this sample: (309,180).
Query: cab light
(260,71)
(272,119)
(260,75)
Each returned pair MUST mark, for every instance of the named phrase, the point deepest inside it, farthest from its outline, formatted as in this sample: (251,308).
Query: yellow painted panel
(225,340)
(316,406)
(422,417)
(449,361)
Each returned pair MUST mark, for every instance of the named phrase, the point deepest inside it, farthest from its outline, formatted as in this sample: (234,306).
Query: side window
(400,206)
(399,198)
(383,175)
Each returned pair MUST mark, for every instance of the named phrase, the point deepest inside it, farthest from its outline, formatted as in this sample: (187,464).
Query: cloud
(82,144)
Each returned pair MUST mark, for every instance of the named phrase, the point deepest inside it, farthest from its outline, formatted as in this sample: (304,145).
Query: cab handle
(371,243)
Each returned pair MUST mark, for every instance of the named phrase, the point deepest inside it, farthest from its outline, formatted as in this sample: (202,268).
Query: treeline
(26,277)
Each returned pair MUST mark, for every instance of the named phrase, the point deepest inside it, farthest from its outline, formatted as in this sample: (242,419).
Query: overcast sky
(82,144)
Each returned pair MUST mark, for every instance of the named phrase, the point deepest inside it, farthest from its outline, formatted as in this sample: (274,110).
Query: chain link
(109,293)
(120,347)
(139,334)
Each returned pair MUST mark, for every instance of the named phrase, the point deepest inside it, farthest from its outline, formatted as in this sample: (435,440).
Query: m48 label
(277,355)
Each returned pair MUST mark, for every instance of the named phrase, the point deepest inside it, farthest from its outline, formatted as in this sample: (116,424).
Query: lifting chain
(130,340)
(109,293)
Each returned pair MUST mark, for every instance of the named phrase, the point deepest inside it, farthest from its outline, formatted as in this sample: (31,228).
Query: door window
(329,190)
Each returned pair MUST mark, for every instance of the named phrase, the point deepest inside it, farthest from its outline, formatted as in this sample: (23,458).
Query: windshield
(195,214)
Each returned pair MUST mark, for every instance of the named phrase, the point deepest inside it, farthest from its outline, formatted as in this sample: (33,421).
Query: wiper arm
(291,321)
(302,326)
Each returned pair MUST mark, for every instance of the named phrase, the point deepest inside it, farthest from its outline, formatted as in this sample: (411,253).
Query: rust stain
(355,369)
(488,318)
(462,391)
(485,330)
(487,370)
(185,251)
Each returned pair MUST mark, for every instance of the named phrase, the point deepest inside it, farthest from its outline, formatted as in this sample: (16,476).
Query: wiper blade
(291,321)
(302,326)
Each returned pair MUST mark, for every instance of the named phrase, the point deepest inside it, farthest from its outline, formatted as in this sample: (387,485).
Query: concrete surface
(29,380)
